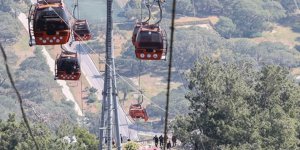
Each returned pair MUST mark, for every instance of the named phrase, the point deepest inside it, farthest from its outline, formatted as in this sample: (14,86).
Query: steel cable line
(160,12)
(106,64)
(76,7)
(169,74)
(132,86)
(19,97)
(147,4)
(85,43)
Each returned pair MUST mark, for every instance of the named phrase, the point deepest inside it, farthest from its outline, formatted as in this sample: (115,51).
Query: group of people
(161,141)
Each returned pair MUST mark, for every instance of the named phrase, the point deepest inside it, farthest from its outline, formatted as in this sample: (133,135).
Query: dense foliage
(92,97)
(9,28)
(14,135)
(235,106)
(131,146)
(240,18)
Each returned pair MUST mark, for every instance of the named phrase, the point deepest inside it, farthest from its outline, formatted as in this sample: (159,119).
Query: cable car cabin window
(81,29)
(45,2)
(53,1)
(82,32)
(48,20)
(147,39)
(68,65)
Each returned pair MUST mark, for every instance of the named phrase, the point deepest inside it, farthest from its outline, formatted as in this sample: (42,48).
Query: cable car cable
(78,16)
(156,105)
(149,12)
(169,74)
(121,76)
(141,5)
(139,82)
(75,6)
(160,12)
(18,96)
(117,73)
(63,49)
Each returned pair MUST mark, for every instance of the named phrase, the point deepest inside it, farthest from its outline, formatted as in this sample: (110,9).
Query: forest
(237,87)
(237,93)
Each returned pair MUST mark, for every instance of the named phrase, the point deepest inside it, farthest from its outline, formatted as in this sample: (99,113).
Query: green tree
(225,27)
(266,53)
(9,27)
(235,106)
(250,17)
(5,5)
(132,146)
(208,7)
(275,11)
(184,7)
(92,97)
(14,135)
(85,138)
(132,9)
(93,90)
(289,5)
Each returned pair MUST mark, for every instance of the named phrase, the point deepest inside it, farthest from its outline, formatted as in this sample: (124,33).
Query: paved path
(95,79)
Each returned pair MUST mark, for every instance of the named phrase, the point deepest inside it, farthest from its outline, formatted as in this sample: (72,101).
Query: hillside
(233,85)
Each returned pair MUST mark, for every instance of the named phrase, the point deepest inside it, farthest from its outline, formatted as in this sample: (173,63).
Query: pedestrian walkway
(149,148)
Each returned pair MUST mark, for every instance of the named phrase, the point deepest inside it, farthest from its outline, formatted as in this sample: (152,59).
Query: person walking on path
(155,140)
(161,140)
(169,145)
(174,140)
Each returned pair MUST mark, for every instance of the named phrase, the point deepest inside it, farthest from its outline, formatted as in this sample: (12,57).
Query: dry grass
(284,35)
(213,19)
(100,63)
(57,94)
(295,71)
(119,41)
(151,86)
(22,49)
(281,34)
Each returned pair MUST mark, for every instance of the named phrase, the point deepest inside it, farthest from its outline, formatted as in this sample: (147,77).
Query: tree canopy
(14,135)
(236,106)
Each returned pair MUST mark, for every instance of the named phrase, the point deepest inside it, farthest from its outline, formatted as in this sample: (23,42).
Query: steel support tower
(109,102)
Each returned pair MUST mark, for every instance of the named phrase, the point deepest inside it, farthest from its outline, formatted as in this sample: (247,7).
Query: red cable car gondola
(151,43)
(81,30)
(136,111)
(48,23)
(67,66)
